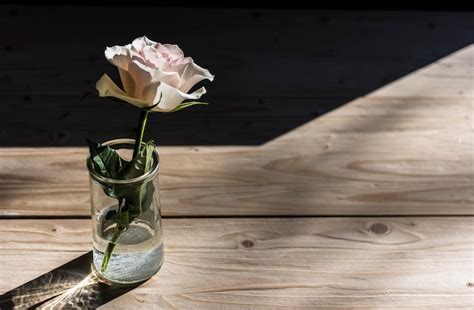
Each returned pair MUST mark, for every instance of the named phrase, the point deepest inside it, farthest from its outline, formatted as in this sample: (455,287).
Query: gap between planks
(81,217)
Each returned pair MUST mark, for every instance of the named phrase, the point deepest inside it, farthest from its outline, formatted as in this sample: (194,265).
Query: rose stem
(138,141)
(140,132)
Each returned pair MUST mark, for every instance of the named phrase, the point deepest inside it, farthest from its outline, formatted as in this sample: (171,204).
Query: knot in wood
(379,228)
(247,243)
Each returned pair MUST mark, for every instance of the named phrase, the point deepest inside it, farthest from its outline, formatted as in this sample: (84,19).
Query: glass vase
(126,222)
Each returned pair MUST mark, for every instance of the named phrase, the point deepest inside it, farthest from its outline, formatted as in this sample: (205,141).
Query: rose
(155,76)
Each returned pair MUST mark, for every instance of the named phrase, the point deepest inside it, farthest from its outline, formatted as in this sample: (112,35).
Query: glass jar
(126,222)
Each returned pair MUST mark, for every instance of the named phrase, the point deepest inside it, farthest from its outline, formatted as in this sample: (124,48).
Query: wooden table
(368,206)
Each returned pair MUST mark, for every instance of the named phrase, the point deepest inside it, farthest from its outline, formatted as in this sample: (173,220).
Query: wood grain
(273,58)
(392,152)
(271,263)
(288,67)
(406,148)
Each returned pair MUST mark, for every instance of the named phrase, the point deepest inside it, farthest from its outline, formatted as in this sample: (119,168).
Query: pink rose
(154,76)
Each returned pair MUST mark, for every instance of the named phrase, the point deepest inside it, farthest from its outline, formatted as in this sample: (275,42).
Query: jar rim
(147,175)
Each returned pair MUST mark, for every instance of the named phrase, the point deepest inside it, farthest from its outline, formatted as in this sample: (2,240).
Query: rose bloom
(154,76)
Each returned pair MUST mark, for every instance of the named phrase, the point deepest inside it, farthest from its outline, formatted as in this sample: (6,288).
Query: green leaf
(138,198)
(123,219)
(104,160)
(185,105)
(138,195)
(139,165)
(111,215)
(133,198)
(146,195)
(149,148)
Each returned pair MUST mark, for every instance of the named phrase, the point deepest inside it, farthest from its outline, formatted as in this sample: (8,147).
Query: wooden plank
(454,72)
(271,263)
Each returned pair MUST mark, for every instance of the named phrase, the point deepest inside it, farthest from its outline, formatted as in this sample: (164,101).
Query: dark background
(276,68)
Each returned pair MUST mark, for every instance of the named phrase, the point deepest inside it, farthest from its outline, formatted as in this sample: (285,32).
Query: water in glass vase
(138,253)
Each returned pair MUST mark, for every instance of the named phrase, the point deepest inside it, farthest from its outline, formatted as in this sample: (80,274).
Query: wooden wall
(275,69)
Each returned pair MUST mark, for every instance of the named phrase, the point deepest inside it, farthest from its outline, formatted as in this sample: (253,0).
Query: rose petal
(192,75)
(107,88)
(135,55)
(171,97)
(118,56)
(150,93)
(170,78)
(148,41)
(139,43)
(128,82)
(172,50)
(178,65)
(142,76)
(153,57)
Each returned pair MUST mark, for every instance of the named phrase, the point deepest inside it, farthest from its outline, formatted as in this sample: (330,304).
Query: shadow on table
(70,286)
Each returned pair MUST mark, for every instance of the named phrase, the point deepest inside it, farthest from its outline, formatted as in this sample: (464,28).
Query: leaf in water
(146,195)
(123,219)
(139,165)
(139,195)
(148,189)
(111,214)
(134,198)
